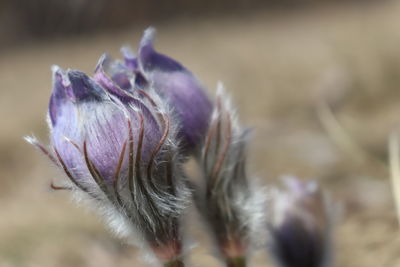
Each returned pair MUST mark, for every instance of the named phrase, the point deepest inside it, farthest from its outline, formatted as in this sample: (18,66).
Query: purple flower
(176,84)
(119,150)
(300,227)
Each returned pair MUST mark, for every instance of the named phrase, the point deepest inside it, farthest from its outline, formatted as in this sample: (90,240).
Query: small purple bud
(300,229)
(178,85)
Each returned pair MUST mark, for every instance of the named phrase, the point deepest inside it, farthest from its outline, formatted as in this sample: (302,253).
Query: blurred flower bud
(300,226)
(176,84)
(120,151)
(228,201)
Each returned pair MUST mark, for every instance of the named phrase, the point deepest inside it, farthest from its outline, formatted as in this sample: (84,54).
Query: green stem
(236,262)
(174,263)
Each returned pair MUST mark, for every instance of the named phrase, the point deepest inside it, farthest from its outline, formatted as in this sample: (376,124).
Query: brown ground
(279,68)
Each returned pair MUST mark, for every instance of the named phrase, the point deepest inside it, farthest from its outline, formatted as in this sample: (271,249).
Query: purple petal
(190,103)
(108,130)
(132,63)
(130,60)
(122,80)
(113,76)
(105,129)
(182,90)
(58,96)
(151,60)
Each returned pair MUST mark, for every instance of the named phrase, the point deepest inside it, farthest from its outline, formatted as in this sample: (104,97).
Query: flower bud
(228,201)
(120,152)
(177,85)
(300,227)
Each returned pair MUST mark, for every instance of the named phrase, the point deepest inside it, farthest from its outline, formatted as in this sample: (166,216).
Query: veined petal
(102,124)
(105,130)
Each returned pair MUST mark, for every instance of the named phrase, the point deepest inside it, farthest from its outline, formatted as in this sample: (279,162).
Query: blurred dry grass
(278,67)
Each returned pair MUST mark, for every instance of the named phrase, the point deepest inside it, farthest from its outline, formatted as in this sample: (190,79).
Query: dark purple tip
(296,246)
(302,238)
(84,88)
(152,60)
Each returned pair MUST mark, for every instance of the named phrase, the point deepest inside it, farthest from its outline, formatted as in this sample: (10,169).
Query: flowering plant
(122,137)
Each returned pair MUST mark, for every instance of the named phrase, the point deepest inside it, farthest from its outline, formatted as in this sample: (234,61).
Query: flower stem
(236,262)
(174,263)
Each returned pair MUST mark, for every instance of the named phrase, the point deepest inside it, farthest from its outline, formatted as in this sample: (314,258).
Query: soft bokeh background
(294,69)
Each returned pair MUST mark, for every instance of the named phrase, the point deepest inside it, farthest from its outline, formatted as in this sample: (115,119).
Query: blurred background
(317,80)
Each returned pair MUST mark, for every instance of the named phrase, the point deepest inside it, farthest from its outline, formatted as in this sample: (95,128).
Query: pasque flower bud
(227,200)
(177,85)
(120,151)
(300,226)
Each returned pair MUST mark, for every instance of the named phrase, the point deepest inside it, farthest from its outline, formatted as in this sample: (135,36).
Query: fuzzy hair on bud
(121,155)
(228,201)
